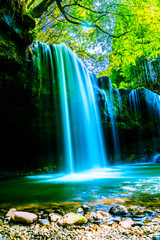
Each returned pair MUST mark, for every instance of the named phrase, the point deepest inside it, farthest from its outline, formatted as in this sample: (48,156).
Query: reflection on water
(136,183)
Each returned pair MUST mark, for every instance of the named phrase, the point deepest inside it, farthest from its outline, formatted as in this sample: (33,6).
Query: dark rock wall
(18,102)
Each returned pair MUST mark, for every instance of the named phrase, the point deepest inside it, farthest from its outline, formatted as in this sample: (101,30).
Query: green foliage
(124,34)
(131,52)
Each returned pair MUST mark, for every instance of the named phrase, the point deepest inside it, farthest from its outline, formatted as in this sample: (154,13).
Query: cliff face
(15,36)
(17,100)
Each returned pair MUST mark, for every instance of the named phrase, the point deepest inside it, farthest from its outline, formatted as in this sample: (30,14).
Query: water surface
(133,184)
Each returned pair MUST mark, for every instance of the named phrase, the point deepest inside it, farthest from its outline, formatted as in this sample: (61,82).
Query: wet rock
(117,219)
(44,222)
(71,218)
(80,211)
(127,223)
(156,237)
(54,217)
(24,217)
(139,224)
(11,212)
(156,219)
(118,210)
(139,214)
(100,215)
(58,211)
(150,213)
(85,207)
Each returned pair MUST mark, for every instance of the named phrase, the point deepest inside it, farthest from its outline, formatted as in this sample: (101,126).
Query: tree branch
(41,8)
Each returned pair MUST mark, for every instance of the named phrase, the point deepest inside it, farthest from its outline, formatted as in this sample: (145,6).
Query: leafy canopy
(123,32)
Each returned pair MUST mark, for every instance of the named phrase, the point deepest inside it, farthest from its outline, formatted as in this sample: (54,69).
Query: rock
(80,211)
(54,217)
(24,217)
(85,207)
(11,212)
(59,211)
(71,218)
(117,219)
(139,214)
(150,213)
(118,210)
(44,222)
(127,223)
(156,237)
(139,224)
(156,219)
(103,82)
(100,215)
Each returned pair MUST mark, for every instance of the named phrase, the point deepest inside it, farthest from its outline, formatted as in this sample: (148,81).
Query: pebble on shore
(75,226)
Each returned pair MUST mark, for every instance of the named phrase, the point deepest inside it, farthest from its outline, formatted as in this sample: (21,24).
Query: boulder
(24,217)
(54,217)
(118,210)
(72,218)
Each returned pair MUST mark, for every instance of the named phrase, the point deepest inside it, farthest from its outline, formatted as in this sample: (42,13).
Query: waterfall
(146,105)
(79,138)
(109,111)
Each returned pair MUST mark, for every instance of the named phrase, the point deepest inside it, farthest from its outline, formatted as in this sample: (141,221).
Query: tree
(122,31)
(83,25)
(134,55)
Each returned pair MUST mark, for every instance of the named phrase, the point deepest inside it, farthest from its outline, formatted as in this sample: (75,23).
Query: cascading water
(80,138)
(146,102)
(109,111)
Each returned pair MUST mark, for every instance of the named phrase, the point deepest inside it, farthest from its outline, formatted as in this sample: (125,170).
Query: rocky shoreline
(119,222)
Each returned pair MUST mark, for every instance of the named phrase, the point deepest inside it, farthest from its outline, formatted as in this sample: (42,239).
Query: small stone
(139,224)
(156,237)
(80,211)
(85,207)
(54,217)
(24,217)
(44,222)
(118,210)
(100,215)
(72,218)
(150,213)
(156,220)
(127,223)
(58,211)
(139,214)
(11,212)
(117,219)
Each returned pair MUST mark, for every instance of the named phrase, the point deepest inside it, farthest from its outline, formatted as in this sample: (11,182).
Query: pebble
(85,207)
(54,217)
(115,228)
(140,224)
(44,222)
(156,237)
